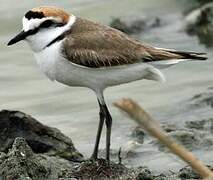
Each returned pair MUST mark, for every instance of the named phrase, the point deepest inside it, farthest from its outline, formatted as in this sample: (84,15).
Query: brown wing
(93,45)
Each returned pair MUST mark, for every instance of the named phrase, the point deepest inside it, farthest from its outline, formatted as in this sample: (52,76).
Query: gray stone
(205,124)
(203,99)
(20,163)
(41,138)
(138,135)
(200,23)
(135,26)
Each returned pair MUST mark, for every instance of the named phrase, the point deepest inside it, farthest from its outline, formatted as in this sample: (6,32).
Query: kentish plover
(78,52)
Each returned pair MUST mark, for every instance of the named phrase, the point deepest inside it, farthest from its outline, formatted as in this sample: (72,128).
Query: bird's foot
(94,159)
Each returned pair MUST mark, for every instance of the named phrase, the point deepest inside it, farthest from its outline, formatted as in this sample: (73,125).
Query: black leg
(108,132)
(104,115)
(98,136)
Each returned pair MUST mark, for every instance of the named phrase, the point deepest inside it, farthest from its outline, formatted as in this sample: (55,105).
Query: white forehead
(34,23)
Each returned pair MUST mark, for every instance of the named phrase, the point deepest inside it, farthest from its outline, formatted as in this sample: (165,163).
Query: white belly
(56,67)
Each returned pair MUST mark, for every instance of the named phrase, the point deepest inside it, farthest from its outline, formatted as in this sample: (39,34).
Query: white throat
(42,38)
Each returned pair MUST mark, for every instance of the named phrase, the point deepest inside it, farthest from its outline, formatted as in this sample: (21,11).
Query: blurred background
(186,96)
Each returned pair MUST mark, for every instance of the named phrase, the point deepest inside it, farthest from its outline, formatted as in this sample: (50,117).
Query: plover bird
(78,52)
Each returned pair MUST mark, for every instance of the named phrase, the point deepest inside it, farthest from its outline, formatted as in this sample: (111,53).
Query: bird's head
(41,25)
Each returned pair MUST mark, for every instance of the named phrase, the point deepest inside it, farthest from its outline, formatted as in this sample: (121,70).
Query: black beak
(21,36)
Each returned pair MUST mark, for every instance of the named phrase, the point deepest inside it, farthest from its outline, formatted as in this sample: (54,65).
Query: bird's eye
(49,23)
(46,24)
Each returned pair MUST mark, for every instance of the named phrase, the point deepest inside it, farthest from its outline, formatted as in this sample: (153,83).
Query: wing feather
(94,45)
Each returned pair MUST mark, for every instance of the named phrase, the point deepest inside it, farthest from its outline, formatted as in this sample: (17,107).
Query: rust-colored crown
(51,11)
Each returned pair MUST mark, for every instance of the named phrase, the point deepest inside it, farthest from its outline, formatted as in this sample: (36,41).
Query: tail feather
(174,54)
(162,58)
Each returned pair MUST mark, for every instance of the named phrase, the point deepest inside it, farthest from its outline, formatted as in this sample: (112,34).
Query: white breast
(46,59)
(57,68)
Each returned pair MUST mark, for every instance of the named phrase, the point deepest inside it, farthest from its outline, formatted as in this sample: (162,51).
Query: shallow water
(74,110)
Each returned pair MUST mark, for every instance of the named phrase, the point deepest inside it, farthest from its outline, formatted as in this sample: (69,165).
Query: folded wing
(96,46)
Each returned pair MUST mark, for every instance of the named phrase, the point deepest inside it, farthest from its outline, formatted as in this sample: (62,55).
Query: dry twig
(151,126)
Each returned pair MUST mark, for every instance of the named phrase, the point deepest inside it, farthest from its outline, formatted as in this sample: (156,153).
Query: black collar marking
(59,38)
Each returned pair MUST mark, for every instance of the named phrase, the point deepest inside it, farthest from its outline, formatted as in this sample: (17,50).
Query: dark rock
(191,138)
(138,135)
(135,26)
(20,163)
(169,127)
(41,138)
(145,174)
(202,2)
(200,23)
(206,124)
(187,138)
(188,173)
(195,4)
(203,99)
(164,177)
(129,28)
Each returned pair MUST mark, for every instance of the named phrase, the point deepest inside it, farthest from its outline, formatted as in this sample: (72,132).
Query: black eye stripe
(45,24)
(49,23)
(34,15)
